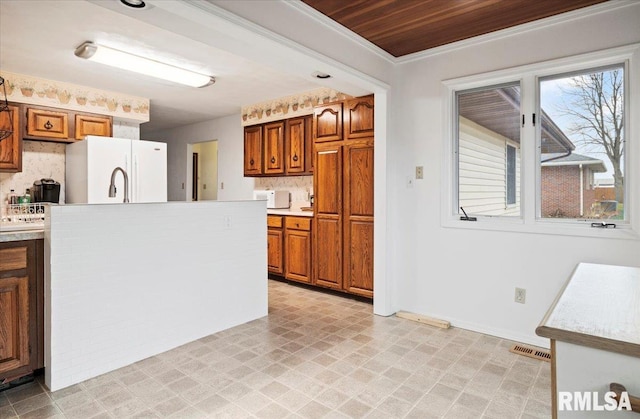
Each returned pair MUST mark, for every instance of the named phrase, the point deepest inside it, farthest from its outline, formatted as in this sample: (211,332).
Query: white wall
(229,134)
(127,281)
(469,276)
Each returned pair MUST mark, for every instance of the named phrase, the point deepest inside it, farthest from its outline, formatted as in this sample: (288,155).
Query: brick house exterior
(563,195)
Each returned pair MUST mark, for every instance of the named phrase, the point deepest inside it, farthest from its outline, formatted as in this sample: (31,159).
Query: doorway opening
(204,171)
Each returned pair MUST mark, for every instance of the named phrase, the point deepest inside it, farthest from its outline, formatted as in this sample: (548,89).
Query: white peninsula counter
(124,282)
(594,328)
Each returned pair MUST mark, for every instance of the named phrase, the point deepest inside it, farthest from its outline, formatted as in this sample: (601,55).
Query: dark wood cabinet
(21,308)
(327,123)
(275,244)
(253,150)
(297,252)
(92,125)
(273,163)
(295,145)
(358,218)
(11,147)
(343,188)
(280,148)
(328,215)
(358,118)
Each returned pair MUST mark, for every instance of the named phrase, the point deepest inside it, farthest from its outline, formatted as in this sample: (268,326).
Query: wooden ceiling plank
(405,26)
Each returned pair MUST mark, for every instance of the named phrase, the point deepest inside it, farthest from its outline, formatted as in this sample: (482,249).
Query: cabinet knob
(273,160)
(251,162)
(295,157)
(48,125)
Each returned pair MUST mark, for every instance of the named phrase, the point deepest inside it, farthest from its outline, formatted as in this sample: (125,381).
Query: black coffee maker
(45,190)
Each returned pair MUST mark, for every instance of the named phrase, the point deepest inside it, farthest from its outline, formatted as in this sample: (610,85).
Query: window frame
(528,77)
(507,177)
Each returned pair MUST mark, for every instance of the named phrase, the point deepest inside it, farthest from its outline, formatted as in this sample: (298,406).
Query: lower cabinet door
(298,251)
(275,256)
(14,325)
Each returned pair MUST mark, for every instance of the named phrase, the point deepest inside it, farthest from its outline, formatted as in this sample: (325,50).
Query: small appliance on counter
(45,190)
(275,199)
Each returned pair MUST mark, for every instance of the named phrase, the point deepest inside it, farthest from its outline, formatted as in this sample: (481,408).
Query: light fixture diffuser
(137,64)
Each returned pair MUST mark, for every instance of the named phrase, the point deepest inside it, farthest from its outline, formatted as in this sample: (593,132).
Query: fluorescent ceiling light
(126,61)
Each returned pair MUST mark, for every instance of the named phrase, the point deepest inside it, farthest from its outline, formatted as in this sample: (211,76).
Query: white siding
(482,171)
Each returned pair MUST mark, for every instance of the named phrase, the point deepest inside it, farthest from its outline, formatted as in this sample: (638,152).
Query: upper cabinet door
(11,147)
(327,123)
(47,124)
(358,118)
(295,144)
(92,125)
(253,150)
(274,148)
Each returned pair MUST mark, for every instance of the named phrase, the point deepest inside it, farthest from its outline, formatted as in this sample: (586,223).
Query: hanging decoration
(5,131)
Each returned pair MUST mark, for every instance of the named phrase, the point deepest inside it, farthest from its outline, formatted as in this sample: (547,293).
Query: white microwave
(275,199)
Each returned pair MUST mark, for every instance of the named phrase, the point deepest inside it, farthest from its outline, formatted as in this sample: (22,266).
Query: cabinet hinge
(533,119)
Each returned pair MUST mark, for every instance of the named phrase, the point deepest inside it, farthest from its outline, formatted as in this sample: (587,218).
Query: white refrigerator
(91,162)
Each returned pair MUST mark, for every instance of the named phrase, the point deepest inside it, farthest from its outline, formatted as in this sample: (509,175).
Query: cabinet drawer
(298,223)
(13,258)
(274,221)
(92,125)
(48,124)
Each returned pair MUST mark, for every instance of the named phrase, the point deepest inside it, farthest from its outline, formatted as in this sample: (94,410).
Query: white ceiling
(38,38)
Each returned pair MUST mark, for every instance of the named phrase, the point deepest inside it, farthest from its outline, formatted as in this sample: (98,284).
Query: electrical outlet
(419,172)
(521,295)
(227,221)
(221,185)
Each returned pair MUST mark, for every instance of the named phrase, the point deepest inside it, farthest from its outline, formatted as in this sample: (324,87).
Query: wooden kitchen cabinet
(47,124)
(295,145)
(358,218)
(297,244)
(273,148)
(280,148)
(328,250)
(275,244)
(21,308)
(253,150)
(358,118)
(343,188)
(11,147)
(327,123)
(92,125)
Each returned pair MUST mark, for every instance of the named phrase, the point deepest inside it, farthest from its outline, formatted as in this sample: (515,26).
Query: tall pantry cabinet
(343,188)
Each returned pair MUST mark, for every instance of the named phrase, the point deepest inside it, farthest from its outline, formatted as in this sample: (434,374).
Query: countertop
(290,212)
(17,235)
(598,307)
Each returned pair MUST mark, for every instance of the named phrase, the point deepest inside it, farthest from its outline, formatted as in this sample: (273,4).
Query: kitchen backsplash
(40,160)
(299,186)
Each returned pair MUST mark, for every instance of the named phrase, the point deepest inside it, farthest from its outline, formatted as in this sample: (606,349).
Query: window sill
(555,228)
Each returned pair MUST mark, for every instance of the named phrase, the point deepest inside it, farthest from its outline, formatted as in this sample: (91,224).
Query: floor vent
(531,352)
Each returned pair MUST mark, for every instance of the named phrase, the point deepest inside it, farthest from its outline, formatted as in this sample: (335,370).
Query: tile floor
(316,355)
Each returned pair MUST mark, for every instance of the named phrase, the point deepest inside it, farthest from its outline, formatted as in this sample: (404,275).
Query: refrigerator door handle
(137,179)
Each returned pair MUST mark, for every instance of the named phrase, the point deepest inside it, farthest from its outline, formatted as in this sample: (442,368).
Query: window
(582,137)
(545,147)
(488,134)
